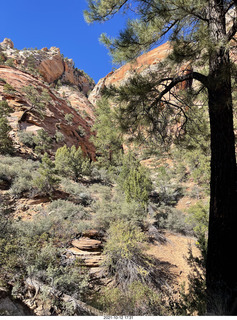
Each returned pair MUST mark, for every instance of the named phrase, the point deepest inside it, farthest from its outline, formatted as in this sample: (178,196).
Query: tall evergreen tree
(200,36)
(108,140)
(71,162)
(6,144)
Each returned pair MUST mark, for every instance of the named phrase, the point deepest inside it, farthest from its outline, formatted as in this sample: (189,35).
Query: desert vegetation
(85,229)
(127,202)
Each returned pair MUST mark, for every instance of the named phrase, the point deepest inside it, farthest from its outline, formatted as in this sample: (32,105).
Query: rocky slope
(67,110)
(50,64)
(54,116)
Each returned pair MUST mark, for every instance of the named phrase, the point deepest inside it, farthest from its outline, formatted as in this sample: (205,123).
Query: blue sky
(59,23)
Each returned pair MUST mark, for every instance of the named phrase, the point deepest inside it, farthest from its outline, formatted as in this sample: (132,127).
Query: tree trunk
(221,265)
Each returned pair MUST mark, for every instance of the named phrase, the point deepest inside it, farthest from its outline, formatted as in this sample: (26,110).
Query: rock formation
(89,249)
(47,70)
(49,63)
(7,43)
(146,62)
(54,115)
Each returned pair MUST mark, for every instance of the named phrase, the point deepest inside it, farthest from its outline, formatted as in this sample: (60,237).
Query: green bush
(46,266)
(28,249)
(43,142)
(46,180)
(71,162)
(168,189)
(79,192)
(19,173)
(107,212)
(27,138)
(38,99)
(195,301)
(100,175)
(40,142)
(198,218)
(34,229)
(59,136)
(10,62)
(6,144)
(172,219)
(108,141)
(63,209)
(31,63)
(134,181)
(9,88)
(139,299)
(3,58)
(60,221)
(69,117)
(22,183)
(123,254)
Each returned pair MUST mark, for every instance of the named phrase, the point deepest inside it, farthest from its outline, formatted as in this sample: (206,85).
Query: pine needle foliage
(108,141)
(46,179)
(71,162)
(134,180)
(6,144)
(38,99)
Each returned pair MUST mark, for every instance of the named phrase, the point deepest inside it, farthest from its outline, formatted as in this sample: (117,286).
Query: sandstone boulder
(52,68)
(92,262)
(92,233)
(85,243)
(83,253)
(95,272)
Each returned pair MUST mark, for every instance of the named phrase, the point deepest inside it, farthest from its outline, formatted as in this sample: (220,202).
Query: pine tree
(71,162)
(46,180)
(199,36)
(108,140)
(6,145)
(134,180)
(37,99)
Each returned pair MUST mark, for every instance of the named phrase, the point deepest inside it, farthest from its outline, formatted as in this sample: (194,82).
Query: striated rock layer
(147,62)
(54,114)
(49,63)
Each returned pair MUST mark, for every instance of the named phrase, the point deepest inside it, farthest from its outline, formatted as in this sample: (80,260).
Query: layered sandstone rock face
(145,63)
(49,63)
(51,67)
(67,87)
(26,118)
(89,249)
(79,102)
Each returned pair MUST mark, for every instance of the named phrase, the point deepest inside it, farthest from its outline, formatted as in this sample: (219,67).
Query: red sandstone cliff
(67,87)
(47,63)
(145,62)
(54,114)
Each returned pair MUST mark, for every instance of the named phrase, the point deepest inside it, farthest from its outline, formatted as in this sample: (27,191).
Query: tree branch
(192,75)
(110,12)
(232,30)
(230,5)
